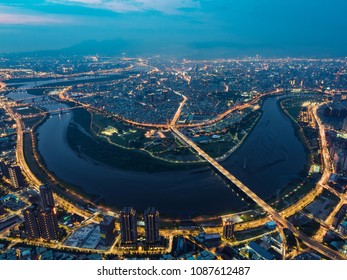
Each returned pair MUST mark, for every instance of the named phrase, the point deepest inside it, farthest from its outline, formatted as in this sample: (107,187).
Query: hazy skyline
(247,27)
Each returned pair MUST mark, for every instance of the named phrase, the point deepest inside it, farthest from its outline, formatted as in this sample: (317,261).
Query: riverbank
(296,188)
(181,194)
(238,145)
(188,192)
(176,193)
(38,167)
(272,156)
(82,138)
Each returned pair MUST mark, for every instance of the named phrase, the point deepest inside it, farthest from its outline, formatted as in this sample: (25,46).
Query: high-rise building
(48,224)
(152,225)
(41,223)
(108,230)
(31,220)
(128,223)
(16,177)
(228,229)
(47,196)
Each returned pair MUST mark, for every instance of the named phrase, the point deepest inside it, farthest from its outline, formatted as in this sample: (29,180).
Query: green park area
(128,147)
(120,146)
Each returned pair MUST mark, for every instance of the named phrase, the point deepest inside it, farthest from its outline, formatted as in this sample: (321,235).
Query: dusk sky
(243,27)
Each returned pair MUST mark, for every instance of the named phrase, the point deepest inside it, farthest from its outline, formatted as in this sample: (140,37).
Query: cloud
(18,19)
(18,16)
(169,6)
(122,6)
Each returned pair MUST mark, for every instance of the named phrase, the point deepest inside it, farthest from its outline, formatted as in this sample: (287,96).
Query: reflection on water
(269,158)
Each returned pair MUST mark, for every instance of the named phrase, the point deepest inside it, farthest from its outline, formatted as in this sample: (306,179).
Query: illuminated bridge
(282,222)
(52,112)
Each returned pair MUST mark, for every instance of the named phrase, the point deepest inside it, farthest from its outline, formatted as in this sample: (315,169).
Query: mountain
(117,47)
(106,47)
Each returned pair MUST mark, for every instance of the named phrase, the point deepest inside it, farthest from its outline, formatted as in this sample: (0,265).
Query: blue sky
(241,27)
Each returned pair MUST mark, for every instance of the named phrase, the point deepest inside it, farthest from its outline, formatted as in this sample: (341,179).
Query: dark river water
(177,192)
(268,159)
(271,156)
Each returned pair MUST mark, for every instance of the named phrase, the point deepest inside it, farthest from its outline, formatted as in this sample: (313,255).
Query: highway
(179,110)
(25,168)
(273,214)
(324,250)
(21,158)
(19,150)
(284,243)
(325,225)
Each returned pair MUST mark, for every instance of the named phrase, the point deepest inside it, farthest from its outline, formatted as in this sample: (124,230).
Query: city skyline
(173,130)
(197,139)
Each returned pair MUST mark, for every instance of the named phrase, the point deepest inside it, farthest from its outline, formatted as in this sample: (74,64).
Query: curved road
(281,221)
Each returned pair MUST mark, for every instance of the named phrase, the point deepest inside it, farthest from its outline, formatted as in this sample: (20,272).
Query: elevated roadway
(282,222)
(24,166)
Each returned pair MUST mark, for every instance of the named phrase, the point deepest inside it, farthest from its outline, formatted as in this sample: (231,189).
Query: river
(271,156)
(187,192)
(268,159)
